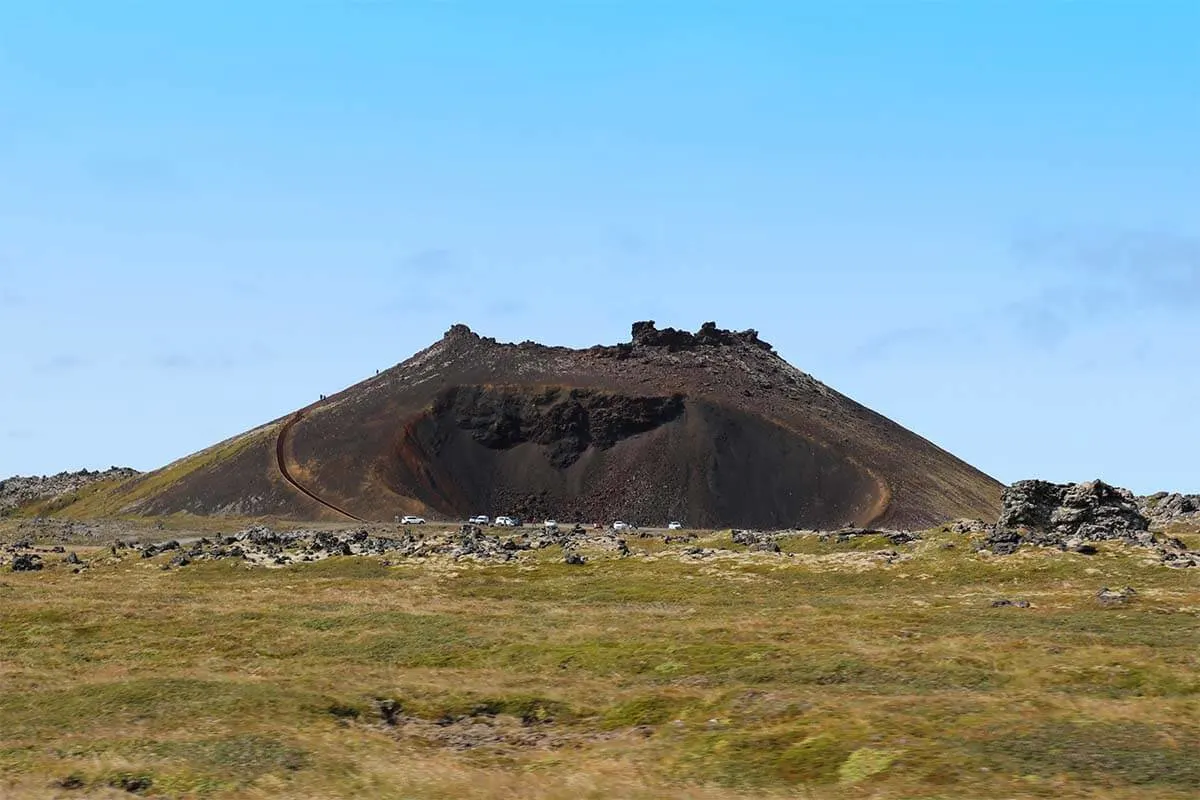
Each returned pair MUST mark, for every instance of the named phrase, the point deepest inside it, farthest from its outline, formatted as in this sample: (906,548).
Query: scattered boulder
(1175,554)
(389,711)
(744,537)
(26,562)
(72,558)
(152,550)
(1004,541)
(72,781)
(1113,597)
(1077,544)
(968,526)
(1005,602)
(574,558)
(134,784)
(754,541)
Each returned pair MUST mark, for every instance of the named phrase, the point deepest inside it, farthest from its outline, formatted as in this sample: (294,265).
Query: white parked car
(619,526)
(550,523)
(481,519)
(410,519)
(505,522)
(674,526)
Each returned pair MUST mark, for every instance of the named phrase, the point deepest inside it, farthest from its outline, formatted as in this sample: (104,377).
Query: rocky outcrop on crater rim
(646,334)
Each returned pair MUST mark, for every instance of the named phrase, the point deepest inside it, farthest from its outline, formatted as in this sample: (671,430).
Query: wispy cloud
(1129,266)
(1081,278)
(889,343)
(10,299)
(63,362)
(428,280)
(252,355)
(432,262)
(1066,282)
(174,361)
(1048,315)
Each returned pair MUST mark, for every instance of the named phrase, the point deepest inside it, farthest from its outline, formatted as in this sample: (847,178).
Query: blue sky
(980,219)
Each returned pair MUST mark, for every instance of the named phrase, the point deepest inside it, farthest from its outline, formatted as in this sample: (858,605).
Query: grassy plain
(828,673)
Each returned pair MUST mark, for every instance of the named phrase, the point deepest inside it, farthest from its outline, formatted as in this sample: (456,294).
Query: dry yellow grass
(826,674)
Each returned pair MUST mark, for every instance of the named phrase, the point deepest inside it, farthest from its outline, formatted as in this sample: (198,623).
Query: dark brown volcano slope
(712,428)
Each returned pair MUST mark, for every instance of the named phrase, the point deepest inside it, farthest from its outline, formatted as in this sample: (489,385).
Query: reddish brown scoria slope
(711,428)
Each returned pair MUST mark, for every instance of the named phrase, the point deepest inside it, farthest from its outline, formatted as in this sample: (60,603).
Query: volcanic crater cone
(711,427)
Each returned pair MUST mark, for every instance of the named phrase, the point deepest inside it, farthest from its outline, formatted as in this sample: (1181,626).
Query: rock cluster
(1115,597)
(1066,515)
(754,540)
(843,535)
(26,562)
(1071,516)
(1092,511)
(645,334)
(482,727)
(968,526)
(260,545)
(1163,508)
(23,556)
(21,490)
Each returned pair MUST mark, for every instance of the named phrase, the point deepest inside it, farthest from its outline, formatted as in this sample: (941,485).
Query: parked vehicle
(410,519)
(505,522)
(674,526)
(481,519)
(550,523)
(619,526)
